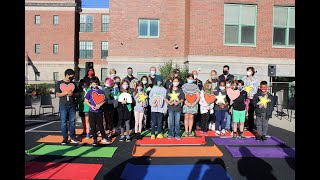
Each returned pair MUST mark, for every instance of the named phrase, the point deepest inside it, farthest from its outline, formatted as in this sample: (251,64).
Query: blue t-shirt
(95,97)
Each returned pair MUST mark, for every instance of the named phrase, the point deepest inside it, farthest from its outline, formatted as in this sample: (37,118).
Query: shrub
(166,68)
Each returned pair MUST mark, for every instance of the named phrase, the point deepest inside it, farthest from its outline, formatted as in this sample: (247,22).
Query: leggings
(205,122)
(138,116)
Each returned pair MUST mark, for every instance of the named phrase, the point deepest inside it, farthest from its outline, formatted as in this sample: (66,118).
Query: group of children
(120,100)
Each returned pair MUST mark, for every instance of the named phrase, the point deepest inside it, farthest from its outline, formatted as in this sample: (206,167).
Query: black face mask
(118,83)
(71,79)
(225,72)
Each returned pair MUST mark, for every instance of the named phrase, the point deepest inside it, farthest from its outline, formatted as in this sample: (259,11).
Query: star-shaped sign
(142,98)
(174,96)
(220,98)
(264,101)
(248,89)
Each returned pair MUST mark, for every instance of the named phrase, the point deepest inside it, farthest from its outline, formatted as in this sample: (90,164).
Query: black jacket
(230,76)
(269,108)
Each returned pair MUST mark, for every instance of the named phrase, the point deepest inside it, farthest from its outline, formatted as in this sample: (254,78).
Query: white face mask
(175,84)
(152,72)
(195,76)
(249,73)
(113,75)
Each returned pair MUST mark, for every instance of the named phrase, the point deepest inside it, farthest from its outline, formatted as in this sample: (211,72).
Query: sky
(95,3)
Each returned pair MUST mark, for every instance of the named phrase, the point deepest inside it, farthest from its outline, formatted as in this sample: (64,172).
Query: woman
(168,83)
(90,73)
(251,87)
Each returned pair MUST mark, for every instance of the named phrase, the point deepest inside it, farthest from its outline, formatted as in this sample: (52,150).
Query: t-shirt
(175,95)
(63,86)
(239,104)
(95,97)
(226,99)
(129,78)
(83,106)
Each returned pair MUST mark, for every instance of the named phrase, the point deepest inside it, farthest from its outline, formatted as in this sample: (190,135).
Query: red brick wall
(124,17)
(96,36)
(207,28)
(46,34)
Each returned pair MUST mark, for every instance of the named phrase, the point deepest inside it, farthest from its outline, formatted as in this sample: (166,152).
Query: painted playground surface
(199,157)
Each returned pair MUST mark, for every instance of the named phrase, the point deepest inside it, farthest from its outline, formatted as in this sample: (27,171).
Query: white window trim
(148,37)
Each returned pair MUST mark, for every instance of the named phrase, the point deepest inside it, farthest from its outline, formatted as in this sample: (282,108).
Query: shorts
(238,116)
(82,114)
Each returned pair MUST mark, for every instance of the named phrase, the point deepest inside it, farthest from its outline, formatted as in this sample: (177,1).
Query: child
(109,107)
(141,103)
(174,99)
(228,114)
(192,96)
(124,110)
(221,108)
(95,98)
(84,108)
(206,102)
(239,110)
(263,102)
(158,106)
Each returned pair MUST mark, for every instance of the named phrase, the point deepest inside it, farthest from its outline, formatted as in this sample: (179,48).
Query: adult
(168,83)
(213,78)
(152,76)
(67,90)
(250,84)
(90,73)
(225,74)
(197,81)
(113,73)
(129,77)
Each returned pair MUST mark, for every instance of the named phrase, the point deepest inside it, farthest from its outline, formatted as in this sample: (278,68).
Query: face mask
(221,88)
(118,83)
(124,86)
(130,73)
(144,82)
(195,76)
(190,81)
(152,72)
(225,72)
(264,90)
(249,73)
(71,78)
(94,87)
(139,89)
(228,85)
(213,77)
(113,76)
(175,84)
(209,88)
(90,73)
(240,88)
(159,83)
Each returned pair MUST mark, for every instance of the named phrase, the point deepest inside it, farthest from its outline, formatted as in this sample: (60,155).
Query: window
(37,48)
(55,76)
(55,48)
(37,76)
(284,26)
(104,74)
(86,23)
(105,23)
(37,19)
(104,49)
(55,20)
(240,24)
(86,49)
(82,73)
(149,28)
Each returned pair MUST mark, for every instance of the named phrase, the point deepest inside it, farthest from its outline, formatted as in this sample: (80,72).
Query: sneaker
(258,138)
(217,133)
(242,136)
(128,139)
(153,136)
(160,136)
(234,135)
(223,132)
(170,137)
(74,140)
(178,138)
(121,138)
(65,141)
(104,140)
(263,138)
(88,136)
(191,135)
(94,142)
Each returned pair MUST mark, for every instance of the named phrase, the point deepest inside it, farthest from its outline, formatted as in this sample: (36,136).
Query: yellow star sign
(174,96)
(248,89)
(142,98)
(264,100)
(220,98)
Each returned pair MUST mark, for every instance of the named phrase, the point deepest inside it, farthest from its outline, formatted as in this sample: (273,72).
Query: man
(226,75)
(152,76)
(129,77)
(67,90)
(197,81)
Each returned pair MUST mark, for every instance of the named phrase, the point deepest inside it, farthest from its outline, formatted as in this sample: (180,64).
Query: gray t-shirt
(172,96)
(66,86)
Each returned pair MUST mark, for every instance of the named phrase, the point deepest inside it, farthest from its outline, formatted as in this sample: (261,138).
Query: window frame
(102,79)
(35,19)
(57,52)
(55,21)
(86,41)
(107,23)
(104,50)
(240,26)
(54,76)
(148,30)
(35,49)
(37,76)
(86,29)
(287,28)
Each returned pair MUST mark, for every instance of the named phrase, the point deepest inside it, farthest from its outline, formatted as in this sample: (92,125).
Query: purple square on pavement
(247,141)
(263,152)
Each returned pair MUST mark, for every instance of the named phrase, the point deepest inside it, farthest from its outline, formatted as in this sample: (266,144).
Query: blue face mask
(222,88)
(190,81)
(159,83)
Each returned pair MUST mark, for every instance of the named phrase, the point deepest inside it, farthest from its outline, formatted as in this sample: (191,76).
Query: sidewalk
(275,121)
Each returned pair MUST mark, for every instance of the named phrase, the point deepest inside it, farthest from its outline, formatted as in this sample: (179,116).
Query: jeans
(220,117)
(262,124)
(228,119)
(156,116)
(174,122)
(64,111)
